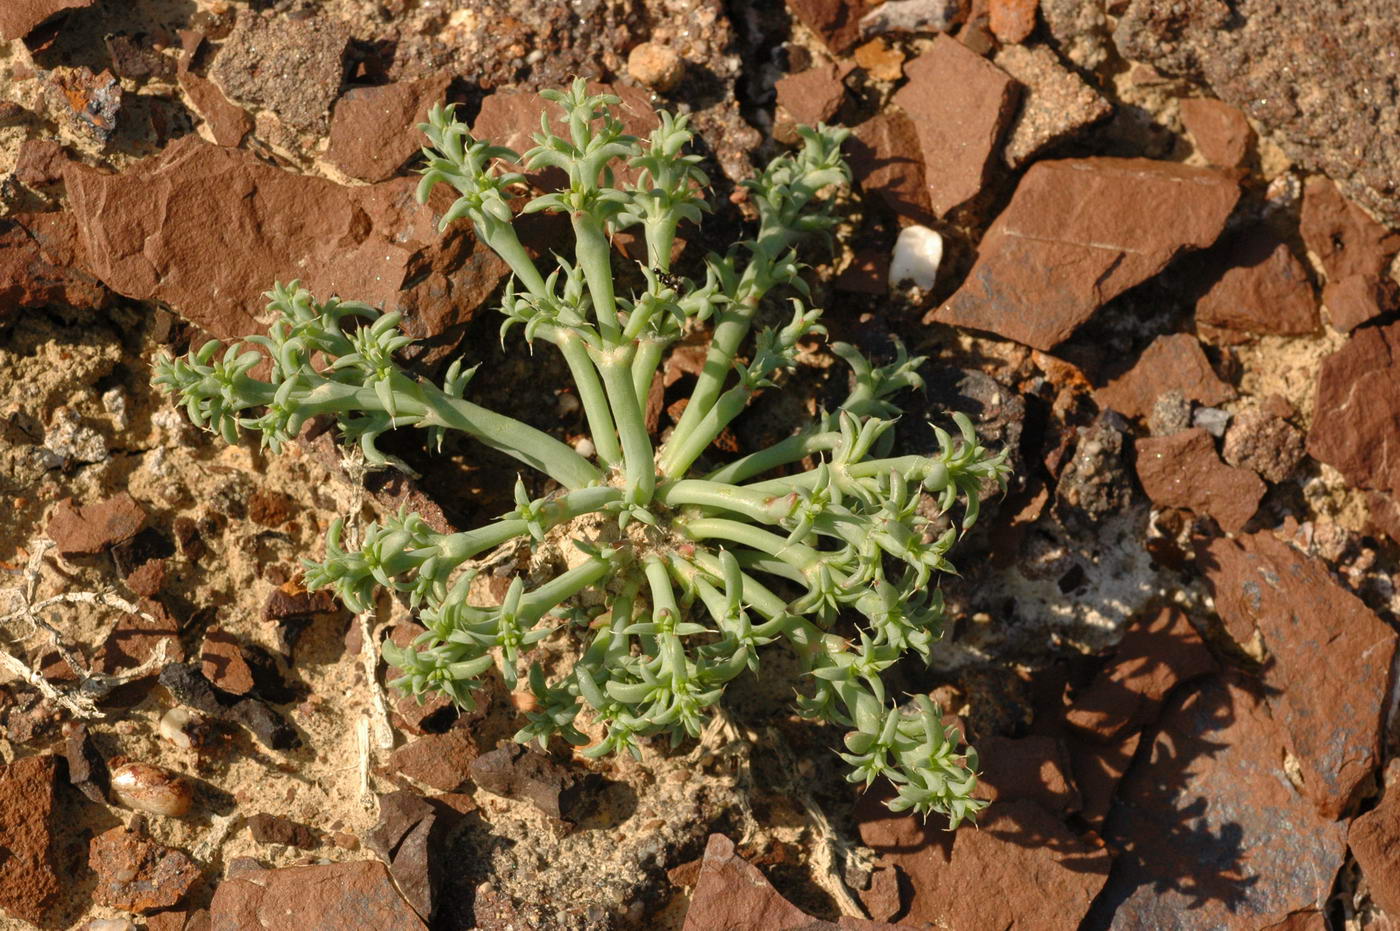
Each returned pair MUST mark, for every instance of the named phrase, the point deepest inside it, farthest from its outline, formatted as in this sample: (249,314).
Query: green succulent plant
(668,576)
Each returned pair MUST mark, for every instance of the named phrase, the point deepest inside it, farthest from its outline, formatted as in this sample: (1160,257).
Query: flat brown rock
(960,104)
(1173,362)
(1221,133)
(440,761)
(1056,104)
(373,244)
(1311,627)
(374,129)
(136,874)
(1158,652)
(1011,21)
(96,526)
(358,894)
(1374,839)
(1211,827)
(1266,290)
(222,662)
(732,894)
(1034,767)
(31,872)
(1184,471)
(228,122)
(36,265)
(18,18)
(808,98)
(1358,299)
(1356,421)
(1343,236)
(135,639)
(886,161)
(1079,232)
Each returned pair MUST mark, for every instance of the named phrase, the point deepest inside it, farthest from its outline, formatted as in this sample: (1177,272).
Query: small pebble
(175,726)
(917,254)
(145,787)
(1211,419)
(655,66)
(585,448)
(109,924)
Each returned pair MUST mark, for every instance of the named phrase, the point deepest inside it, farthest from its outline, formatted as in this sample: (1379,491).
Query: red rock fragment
(222,662)
(1210,826)
(1266,290)
(228,123)
(37,265)
(1357,299)
(18,18)
(1221,133)
(1012,21)
(94,527)
(1374,839)
(1098,769)
(886,161)
(275,829)
(372,128)
(1160,650)
(1356,419)
(136,874)
(1079,232)
(732,893)
(808,98)
(960,105)
(358,894)
(836,22)
(1034,767)
(40,162)
(1172,362)
(31,871)
(1183,471)
(135,639)
(147,579)
(1310,627)
(1355,251)
(514,772)
(439,761)
(373,243)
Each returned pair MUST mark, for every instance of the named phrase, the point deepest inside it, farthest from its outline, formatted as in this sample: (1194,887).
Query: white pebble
(917,254)
(173,724)
(584,447)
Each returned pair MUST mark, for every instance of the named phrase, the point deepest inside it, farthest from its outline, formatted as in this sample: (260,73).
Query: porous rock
(1056,104)
(1221,133)
(654,65)
(1331,723)
(1264,442)
(1304,72)
(1079,232)
(1183,471)
(94,527)
(374,243)
(1159,651)
(291,66)
(357,894)
(275,829)
(1173,362)
(1265,290)
(18,18)
(1011,21)
(31,871)
(374,129)
(1211,827)
(913,16)
(960,105)
(1356,419)
(136,874)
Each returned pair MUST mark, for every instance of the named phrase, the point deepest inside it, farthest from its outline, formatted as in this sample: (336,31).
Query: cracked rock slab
(1079,232)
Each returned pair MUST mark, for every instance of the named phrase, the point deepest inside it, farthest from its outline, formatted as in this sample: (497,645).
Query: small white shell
(145,787)
(173,725)
(917,254)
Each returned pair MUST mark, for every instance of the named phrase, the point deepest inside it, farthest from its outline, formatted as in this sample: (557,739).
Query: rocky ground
(1168,284)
